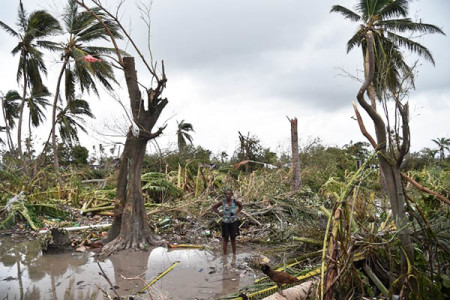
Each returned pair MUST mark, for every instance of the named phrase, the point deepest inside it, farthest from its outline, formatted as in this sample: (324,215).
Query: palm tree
(443,144)
(70,119)
(380,36)
(81,29)
(35,103)
(32,28)
(387,20)
(10,111)
(183,134)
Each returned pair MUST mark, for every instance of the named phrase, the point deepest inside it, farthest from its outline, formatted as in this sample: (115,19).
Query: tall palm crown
(70,119)
(10,106)
(32,28)
(443,144)
(10,112)
(36,102)
(388,20)
(82,29)
(183,134)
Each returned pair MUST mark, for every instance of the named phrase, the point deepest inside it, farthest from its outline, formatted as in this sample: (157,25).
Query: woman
(230,225)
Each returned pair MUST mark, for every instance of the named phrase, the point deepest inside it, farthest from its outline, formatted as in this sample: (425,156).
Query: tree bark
(21,108)
(296,176)
(129,228)
(8,129)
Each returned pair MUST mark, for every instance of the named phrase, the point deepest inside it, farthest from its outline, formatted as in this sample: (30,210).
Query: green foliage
(158,187)
(79,155)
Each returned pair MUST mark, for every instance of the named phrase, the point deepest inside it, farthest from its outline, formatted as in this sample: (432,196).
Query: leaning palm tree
(388,21)
(32,29)
(183,134)
(443,144)
(81,29)
(10,111)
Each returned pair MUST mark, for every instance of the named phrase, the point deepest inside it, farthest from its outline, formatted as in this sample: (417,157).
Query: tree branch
(113,40)
(424,189)
(363,128)
(114,17)
(378,121)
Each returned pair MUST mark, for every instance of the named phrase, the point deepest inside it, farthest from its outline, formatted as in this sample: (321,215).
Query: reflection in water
(25,273)
(230,277)
(129,271)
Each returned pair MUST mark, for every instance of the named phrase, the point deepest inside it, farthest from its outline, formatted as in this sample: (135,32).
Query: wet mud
(26,273)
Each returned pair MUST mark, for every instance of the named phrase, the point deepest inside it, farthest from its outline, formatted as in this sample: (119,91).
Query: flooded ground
(25,273)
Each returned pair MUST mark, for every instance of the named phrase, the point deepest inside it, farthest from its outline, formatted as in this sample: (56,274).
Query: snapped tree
(296,177)
(129,228)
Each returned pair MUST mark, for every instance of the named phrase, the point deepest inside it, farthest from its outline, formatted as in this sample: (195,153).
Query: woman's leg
(233,245)
(224,245)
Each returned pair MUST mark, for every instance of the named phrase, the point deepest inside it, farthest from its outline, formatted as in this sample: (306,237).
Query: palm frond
(356,39)
(402,25)
(394,9)
(411,46)
(11,107)
(69,84)
(347,13)
(9,29)
(22,17)
(49,45)
(42,24)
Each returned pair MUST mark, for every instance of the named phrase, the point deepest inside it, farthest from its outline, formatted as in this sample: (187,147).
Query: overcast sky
(245,65)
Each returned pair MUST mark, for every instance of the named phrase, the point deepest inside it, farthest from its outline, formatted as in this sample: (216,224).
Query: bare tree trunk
(296,176)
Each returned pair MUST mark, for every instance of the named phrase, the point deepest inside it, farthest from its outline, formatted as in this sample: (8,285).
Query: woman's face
(228,194)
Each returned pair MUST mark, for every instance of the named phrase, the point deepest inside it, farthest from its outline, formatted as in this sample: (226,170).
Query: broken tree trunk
(296,177)
(129,228)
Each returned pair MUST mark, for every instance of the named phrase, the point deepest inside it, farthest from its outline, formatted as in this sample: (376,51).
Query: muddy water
(25,273)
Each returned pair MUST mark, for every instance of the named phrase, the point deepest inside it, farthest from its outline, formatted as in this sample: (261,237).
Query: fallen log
(298,292)
(79,228)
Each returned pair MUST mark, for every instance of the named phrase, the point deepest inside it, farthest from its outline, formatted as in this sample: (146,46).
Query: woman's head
(228,193)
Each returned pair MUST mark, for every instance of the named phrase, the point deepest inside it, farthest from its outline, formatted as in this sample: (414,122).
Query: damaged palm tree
(296,177)
(129,228)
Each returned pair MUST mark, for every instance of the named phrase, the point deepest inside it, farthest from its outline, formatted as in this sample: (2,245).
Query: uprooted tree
(129,228)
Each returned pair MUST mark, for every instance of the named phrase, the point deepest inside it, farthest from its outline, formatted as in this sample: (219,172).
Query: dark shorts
(230,230)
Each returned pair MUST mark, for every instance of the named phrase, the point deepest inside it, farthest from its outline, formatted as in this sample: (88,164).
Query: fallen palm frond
(14,206)
(160,276)
(186,246)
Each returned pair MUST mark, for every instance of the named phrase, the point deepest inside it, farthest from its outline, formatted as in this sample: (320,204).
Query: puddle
(27,274)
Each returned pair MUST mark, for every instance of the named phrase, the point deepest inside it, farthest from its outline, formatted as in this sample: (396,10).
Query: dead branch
(109,281)
(412,181)
(363,128)
(424,189)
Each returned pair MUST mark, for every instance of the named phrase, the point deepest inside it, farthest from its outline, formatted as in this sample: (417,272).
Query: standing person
(230,226)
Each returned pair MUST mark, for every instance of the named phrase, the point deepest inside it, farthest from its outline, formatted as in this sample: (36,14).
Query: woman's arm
(215,208)
(239,205)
